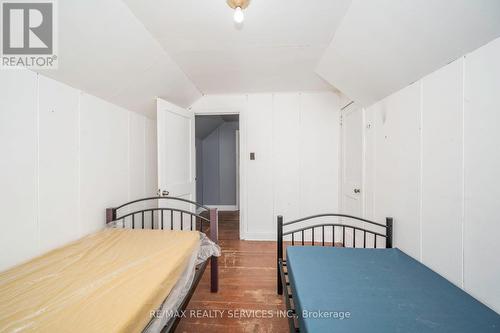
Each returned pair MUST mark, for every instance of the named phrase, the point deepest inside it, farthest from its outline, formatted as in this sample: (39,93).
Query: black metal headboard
(385,232)
(140,216)
(169,218)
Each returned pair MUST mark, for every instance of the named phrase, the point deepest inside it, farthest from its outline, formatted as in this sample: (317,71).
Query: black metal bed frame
(282,274)
(136,219)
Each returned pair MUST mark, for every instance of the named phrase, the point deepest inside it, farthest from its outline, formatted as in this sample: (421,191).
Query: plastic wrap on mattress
(167,310)
(109,281)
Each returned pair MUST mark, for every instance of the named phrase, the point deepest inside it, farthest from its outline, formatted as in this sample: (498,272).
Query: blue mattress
(378,290)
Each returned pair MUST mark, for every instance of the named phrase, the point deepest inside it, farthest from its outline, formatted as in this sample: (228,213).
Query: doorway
(217,161)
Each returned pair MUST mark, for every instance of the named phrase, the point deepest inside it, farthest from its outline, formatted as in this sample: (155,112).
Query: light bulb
(238,15)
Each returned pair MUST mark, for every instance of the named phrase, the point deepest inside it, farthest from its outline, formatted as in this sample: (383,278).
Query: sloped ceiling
(130,51)
(207,124)
(384,45)
(106,51)
(277,48)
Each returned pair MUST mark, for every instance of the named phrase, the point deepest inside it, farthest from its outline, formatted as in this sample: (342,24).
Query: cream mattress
(109,281)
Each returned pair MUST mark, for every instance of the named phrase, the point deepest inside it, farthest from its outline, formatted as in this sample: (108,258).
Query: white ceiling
(277,49)
(106,51)
(384,45)
(130,51)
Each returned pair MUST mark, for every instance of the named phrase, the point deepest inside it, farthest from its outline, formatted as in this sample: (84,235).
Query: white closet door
(352,170)
(352,162)
(176,155)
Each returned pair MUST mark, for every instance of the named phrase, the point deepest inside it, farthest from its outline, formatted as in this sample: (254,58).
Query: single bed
(117,279)
(367,289)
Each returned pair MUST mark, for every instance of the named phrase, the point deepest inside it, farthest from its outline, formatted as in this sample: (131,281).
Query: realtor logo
(28,31)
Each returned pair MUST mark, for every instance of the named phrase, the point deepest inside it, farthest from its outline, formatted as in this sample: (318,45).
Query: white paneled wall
(137,157)
(397,167)
(104,159)
(65,157)
(19,166)
(432,160)
(319,148)
(150,159)
(259,176)
(481,174)
(287,161)
(295,138)
(58,158)
(442,171)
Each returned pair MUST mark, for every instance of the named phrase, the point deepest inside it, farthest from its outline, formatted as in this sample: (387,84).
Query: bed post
(214,265)
(110,215)
(388,221)
(280,254)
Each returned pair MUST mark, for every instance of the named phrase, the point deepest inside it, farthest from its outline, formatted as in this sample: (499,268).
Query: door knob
(163,193)
(357,190)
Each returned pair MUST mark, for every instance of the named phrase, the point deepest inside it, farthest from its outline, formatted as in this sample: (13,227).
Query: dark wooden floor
(247,281)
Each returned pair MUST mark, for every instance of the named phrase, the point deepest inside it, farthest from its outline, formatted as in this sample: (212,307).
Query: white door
(352,161)
(176,154)
(237,134)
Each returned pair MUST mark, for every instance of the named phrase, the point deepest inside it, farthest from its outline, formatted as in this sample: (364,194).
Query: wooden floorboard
(247,287)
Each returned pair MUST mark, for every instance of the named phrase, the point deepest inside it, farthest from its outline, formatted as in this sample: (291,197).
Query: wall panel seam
(129,148)
(364,173)
(79,162)
(144,156)
(245,210)
(463,173)
(37,163)
(421,166)
(273,159)
(299,153)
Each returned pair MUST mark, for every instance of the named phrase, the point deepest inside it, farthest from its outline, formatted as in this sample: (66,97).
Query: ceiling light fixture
(238,6)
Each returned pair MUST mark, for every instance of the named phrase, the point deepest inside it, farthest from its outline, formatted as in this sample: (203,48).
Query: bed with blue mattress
(364,288)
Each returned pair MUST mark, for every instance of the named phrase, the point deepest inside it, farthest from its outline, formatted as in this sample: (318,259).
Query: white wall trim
(242,203)
(252,236)
(224,208)
(161,103)
(216,112)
